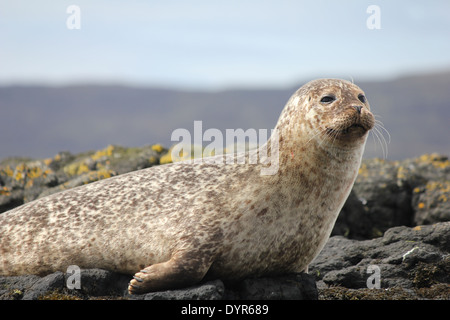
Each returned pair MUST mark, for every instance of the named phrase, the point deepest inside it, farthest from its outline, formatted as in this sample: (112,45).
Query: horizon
(432,72)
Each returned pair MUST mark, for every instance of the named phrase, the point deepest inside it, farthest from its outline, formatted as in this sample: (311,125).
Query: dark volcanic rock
(102,284)
(387,194)
(99,282)
(386,202)
(213,290)
(353,221)
(42,286)
(94,283)
(407,259)
(290,287)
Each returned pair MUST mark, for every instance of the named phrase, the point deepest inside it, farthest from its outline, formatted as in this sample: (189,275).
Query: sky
(206,45)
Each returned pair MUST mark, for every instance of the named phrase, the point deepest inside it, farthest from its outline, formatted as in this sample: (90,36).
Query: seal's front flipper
(182,270)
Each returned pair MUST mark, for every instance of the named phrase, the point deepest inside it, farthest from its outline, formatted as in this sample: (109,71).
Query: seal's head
(332,112)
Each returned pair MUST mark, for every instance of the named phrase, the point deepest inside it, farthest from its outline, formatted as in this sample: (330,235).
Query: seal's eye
(362,98)
(327,99)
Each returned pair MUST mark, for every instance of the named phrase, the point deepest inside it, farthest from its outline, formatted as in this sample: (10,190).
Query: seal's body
(187,221)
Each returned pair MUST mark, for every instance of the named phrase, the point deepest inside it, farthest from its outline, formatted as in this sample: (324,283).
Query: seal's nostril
(358,108)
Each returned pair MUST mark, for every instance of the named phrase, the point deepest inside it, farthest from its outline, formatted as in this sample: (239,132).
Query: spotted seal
(174,225)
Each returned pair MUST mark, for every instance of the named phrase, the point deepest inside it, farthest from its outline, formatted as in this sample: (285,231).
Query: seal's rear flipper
(182,270)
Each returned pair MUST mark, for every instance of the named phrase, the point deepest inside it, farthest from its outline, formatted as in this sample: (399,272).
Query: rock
(213,290)
(392,193)
(13,288)
(290,287)
(95,283)
(407,259)
(9,199)
(386,202)
(23,182)
(99,282)
(353,221)
(432,202)
(103,284)
(46,284)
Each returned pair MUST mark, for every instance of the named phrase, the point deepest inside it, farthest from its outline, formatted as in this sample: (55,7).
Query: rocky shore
(391,240)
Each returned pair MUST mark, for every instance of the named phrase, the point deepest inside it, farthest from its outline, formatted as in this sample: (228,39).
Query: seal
(177,224)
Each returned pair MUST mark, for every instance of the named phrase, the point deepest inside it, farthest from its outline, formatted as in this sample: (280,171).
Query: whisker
(376,134)
(381,126)
(351,78)
(381,139)
(315,134)
(373,138)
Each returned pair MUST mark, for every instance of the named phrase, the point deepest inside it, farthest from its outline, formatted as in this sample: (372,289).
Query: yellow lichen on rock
(158,148)
(7,171)
(76,168)
(438,161)
(167,158)
(34,172)
(101,174)
(443,187)
(5,191)
(183,154)
(108,151)
(19,172)
(48,161)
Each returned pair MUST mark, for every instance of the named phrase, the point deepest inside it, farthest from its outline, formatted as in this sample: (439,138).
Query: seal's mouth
(355,129)
(355,126)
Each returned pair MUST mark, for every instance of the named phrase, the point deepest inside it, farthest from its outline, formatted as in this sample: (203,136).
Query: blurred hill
(39,121)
